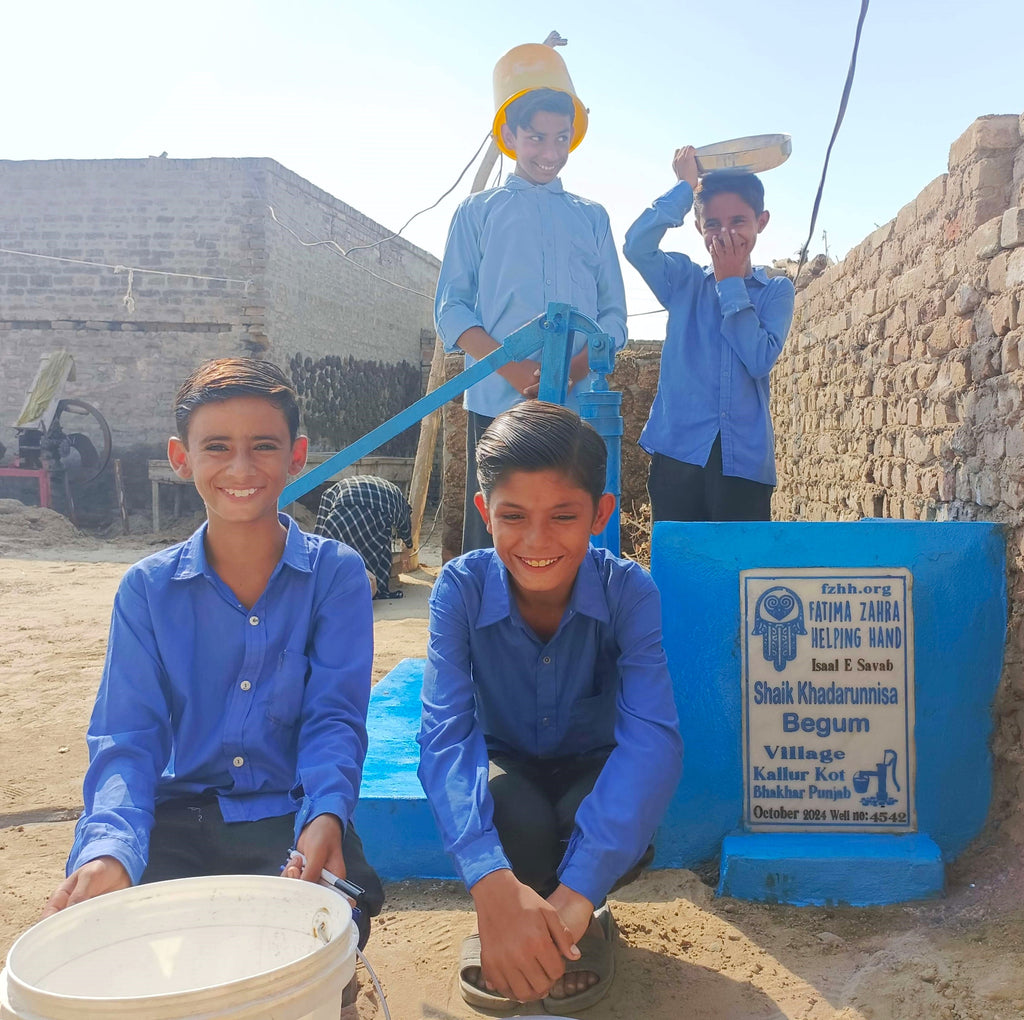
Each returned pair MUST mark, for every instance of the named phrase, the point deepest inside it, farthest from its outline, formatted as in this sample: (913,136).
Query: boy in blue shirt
(549,738)
(230,722)
(709,432)
(509,252)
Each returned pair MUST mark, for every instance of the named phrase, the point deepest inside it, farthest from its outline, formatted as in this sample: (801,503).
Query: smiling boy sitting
(549,737)
(230,722)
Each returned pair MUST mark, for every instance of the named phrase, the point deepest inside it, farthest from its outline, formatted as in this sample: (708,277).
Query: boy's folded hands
(523,940)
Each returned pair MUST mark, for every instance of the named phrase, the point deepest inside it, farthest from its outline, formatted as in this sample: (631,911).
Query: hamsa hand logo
(779,619)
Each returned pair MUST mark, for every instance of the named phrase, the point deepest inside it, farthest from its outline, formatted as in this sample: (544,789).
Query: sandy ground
(683,953)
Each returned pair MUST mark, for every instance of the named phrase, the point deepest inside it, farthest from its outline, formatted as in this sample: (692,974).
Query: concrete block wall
(207,217)
(181,215)
(318,302)
(900,391)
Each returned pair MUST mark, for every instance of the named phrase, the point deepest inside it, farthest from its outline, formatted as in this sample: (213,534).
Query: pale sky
(383,103)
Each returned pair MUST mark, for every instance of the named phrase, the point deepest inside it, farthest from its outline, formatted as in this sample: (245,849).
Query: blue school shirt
(264,707)
(491,686)
(509,252)
(723,339)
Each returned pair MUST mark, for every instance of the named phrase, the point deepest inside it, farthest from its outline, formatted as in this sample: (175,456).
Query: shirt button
(546,721)
(238,761)
(245,685)
(547,282)
(254,620)
(547,659)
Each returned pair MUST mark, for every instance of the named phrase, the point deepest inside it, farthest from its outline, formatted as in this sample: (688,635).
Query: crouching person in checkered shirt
(365,512)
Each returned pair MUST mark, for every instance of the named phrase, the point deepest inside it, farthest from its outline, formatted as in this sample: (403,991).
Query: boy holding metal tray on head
(709,432)
(549,738)
(515,248)
(230,722)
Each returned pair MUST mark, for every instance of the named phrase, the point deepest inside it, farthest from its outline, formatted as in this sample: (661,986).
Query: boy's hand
(320,842)
(523,941)
(730,254)
(685,165)
(102,875)
(522,376)
(574,909)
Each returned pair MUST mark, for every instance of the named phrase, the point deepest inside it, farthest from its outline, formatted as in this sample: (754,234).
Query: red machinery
(61,440)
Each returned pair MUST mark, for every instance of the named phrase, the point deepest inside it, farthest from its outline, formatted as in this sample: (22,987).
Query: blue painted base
(393,817)
(826,869)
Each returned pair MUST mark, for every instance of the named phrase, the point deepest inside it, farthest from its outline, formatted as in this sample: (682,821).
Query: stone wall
(206,217)
(900,392)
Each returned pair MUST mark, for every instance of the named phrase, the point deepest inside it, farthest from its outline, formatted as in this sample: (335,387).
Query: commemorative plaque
(828,699)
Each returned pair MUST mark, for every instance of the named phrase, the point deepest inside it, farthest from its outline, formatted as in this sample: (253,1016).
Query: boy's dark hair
(734,182)
(519,113)
(538,436)
(225,378)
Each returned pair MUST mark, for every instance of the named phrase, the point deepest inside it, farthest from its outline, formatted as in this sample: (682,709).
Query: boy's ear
(300,449)
(762,221)
(508,137)
(481,505)
(605,509)
(177,454)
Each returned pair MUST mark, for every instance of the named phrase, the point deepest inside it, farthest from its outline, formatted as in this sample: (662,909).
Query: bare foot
(572,984)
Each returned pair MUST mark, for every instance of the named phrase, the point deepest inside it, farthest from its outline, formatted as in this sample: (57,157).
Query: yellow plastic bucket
(523,69)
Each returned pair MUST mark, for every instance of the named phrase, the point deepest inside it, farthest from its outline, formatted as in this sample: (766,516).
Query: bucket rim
(297,970)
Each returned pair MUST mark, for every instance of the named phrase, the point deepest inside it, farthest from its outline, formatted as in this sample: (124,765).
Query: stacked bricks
(900,392)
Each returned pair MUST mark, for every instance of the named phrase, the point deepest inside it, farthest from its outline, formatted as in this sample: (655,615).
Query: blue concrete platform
(959,612)
(959,605)
(818,870)
(392,817)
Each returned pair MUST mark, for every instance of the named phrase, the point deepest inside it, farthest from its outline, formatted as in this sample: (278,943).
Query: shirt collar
(516,183)
(192,561)
(756,273)
(588,596)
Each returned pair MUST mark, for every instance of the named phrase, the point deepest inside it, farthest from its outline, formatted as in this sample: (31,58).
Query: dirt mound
(26,528)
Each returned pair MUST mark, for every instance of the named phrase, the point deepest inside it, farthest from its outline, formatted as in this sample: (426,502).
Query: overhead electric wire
(832,141)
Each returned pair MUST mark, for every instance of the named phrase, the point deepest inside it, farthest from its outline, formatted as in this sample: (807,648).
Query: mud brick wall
(900,392)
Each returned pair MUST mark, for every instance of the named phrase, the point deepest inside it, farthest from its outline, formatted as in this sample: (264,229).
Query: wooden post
(430,425)
(421,468)
(119,485)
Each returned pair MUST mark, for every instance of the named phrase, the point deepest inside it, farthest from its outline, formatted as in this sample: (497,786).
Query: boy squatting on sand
(510,251)
(230,722)
(549,737)
(709,432)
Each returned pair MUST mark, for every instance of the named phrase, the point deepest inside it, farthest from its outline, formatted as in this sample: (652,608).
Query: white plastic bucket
(238,946)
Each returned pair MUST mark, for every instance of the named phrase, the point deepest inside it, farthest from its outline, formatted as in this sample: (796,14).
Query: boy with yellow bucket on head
(514,248)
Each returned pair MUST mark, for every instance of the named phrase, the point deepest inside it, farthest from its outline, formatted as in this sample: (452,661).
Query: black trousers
(535,804)
(685,492)
(474,531)
(190,838)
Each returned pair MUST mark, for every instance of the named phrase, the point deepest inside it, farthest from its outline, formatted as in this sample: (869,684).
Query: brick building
(240,221)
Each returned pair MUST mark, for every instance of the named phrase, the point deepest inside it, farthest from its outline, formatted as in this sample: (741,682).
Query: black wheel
(82,437)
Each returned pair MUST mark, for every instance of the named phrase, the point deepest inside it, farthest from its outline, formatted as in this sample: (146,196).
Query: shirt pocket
(288,687)
(592,721)
(584,266)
